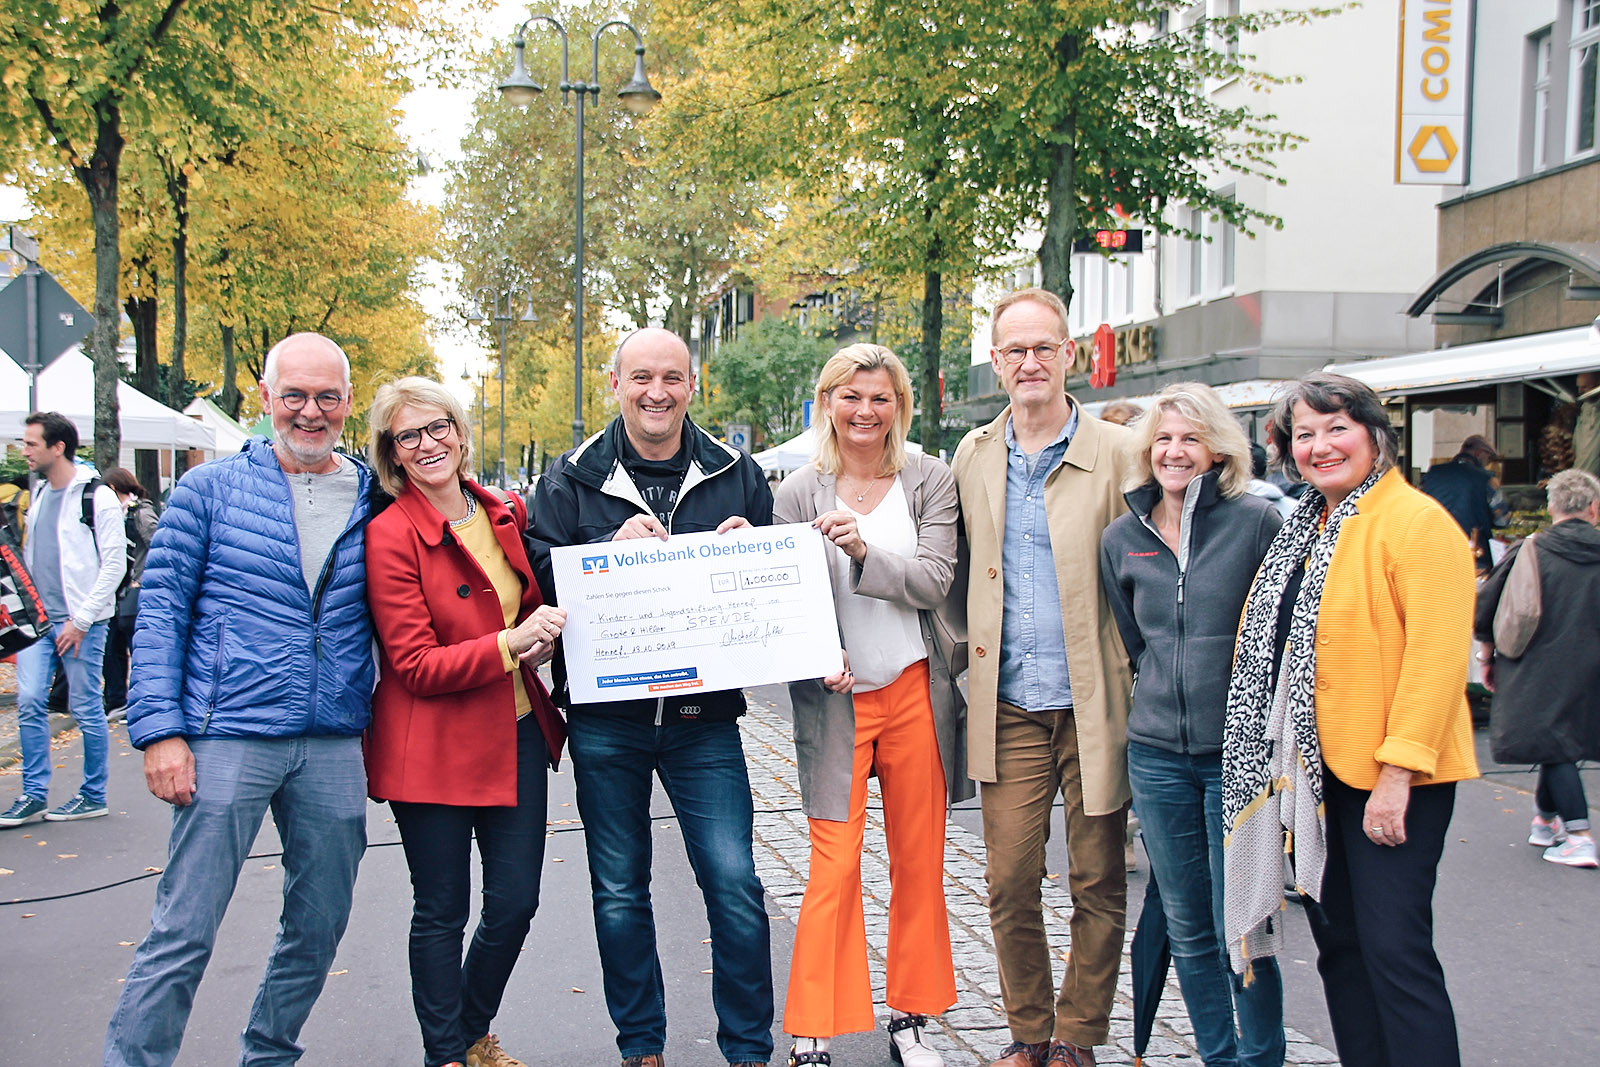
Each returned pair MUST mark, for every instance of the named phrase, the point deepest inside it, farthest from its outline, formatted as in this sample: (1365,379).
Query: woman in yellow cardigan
(1348,727)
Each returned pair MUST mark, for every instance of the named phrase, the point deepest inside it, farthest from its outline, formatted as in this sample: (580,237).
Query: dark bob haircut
(1326,394)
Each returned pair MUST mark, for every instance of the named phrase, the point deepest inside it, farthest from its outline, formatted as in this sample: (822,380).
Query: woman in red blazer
(463,731)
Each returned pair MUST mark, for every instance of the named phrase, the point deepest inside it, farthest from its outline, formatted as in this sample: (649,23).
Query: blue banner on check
(679,674)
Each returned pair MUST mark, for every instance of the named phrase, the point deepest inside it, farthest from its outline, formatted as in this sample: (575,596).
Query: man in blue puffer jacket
(251,685)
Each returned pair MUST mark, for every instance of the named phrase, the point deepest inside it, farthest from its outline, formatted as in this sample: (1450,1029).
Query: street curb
(11,750)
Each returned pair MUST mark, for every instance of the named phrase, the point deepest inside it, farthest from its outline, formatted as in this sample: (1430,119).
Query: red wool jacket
(444,713)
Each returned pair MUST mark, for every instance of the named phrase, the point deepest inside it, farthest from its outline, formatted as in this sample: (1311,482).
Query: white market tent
(67,386)
(1533,358)
(799,450)
(231,435)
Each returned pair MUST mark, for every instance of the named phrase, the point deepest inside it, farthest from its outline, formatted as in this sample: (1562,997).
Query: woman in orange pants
(890,520)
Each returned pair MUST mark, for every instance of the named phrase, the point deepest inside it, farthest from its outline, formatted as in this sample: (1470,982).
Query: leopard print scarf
(1271,759)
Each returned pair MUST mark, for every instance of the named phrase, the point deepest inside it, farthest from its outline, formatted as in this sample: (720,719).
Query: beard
(309,457)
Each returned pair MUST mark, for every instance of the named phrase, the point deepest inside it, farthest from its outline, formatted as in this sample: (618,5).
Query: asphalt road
(1516,934)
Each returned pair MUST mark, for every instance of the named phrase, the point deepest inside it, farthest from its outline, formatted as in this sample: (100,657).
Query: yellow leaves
(13,75)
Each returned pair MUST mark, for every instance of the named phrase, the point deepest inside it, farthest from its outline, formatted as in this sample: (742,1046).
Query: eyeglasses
(1043,353)
(296,401)
(438,429)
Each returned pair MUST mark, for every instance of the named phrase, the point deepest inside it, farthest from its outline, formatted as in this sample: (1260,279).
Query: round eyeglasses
(1043,353)
(438,429)
(294,400)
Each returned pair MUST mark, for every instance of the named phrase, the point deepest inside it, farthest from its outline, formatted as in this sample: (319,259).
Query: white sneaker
(1546,832)
(1576,851)
(907,1044)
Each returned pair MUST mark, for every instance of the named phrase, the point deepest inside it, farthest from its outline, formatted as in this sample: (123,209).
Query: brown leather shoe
(1065,1055)
(1022,1054)
(652,1059)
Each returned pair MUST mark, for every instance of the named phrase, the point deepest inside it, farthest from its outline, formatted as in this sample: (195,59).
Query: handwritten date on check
(696,612)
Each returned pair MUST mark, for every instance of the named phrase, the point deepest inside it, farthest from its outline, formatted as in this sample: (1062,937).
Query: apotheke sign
(1430,146)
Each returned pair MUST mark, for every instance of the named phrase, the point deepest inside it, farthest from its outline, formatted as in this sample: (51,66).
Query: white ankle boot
(907,1043)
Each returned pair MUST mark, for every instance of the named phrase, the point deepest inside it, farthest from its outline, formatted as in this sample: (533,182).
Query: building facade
(1332,284)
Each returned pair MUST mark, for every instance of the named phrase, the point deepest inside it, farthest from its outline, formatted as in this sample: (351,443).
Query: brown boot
(1023,1054)
(486,1052)
(649,1059)
(1065,1055)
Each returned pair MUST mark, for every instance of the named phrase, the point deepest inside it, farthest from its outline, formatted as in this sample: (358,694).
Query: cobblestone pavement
(974,1031)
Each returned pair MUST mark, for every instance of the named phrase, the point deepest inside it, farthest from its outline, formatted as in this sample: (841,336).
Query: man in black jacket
(651,473)
(1465,487)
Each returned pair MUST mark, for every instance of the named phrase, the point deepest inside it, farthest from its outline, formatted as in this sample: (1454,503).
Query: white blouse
(883,638)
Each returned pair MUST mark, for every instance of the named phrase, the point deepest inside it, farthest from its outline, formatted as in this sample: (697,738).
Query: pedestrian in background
(1121,411)
(1349,691)
(139,525)
(252,683)
(75,553)
(1467,489)
(463,733)
(1546,707)
(1176,569)
(890,520)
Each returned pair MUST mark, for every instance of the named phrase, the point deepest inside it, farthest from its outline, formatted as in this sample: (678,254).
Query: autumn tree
(765,376)
(660,230)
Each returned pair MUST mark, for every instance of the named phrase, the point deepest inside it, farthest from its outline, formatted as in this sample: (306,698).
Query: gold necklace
(862,496)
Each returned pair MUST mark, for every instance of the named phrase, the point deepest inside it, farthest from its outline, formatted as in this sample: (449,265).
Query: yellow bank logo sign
(1433,149)
(1432,92)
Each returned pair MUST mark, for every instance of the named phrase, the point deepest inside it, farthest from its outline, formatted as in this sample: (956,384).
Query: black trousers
(456,1001)
(1374,931)
(119,644)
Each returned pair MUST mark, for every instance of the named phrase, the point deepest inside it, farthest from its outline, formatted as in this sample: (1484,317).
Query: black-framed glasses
(294,400)
(438,429)
(1043,353)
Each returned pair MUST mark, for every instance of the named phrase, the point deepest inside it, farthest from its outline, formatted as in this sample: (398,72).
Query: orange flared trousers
(830,991)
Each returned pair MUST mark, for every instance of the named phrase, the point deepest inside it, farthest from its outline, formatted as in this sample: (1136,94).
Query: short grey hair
(1572,492)
(269,369)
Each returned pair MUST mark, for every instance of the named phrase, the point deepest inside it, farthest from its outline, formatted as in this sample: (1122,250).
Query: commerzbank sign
(1430,145)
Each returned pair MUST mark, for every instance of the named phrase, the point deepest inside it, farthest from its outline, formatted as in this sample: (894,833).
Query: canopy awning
(1537,359)
(1239,396)
(67,386)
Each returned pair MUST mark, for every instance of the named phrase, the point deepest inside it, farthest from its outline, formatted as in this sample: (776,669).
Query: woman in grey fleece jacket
(1176,569)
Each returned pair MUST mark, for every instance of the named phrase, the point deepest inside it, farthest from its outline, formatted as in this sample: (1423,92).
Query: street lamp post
(483,428)
(638,96)
(500,311)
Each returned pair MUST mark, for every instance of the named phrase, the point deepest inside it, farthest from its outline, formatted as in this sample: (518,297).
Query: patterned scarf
(1271,759)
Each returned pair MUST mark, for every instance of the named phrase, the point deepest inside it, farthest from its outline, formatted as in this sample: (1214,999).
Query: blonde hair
(417,393)
(840,368)
(1218,430)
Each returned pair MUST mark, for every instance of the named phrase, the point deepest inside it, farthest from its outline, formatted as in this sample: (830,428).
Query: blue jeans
(316,788)
(36,667)
(702,769)
(1179,799)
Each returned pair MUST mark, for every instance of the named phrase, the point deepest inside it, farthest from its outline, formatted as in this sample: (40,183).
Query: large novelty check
(708,611)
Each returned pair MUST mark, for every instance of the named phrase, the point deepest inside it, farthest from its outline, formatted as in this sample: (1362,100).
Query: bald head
(652,378)
(304,344)
(652,338)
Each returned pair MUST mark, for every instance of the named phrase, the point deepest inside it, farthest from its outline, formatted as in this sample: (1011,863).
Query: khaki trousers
(1036,756)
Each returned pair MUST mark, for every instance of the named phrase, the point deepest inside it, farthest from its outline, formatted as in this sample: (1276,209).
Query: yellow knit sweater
(1393,637)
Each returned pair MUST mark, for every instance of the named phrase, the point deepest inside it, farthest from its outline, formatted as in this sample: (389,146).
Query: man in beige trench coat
(1049,682)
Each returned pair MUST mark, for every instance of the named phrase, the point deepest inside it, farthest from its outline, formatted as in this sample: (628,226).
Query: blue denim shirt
(1033,645)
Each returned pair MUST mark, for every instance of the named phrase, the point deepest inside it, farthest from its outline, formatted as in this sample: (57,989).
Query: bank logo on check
(596,564)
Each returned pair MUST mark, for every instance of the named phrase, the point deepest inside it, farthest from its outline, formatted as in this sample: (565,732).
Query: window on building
(1230,37)
(1538,108)
(1583,78)
(1227,244)
(1194,221)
